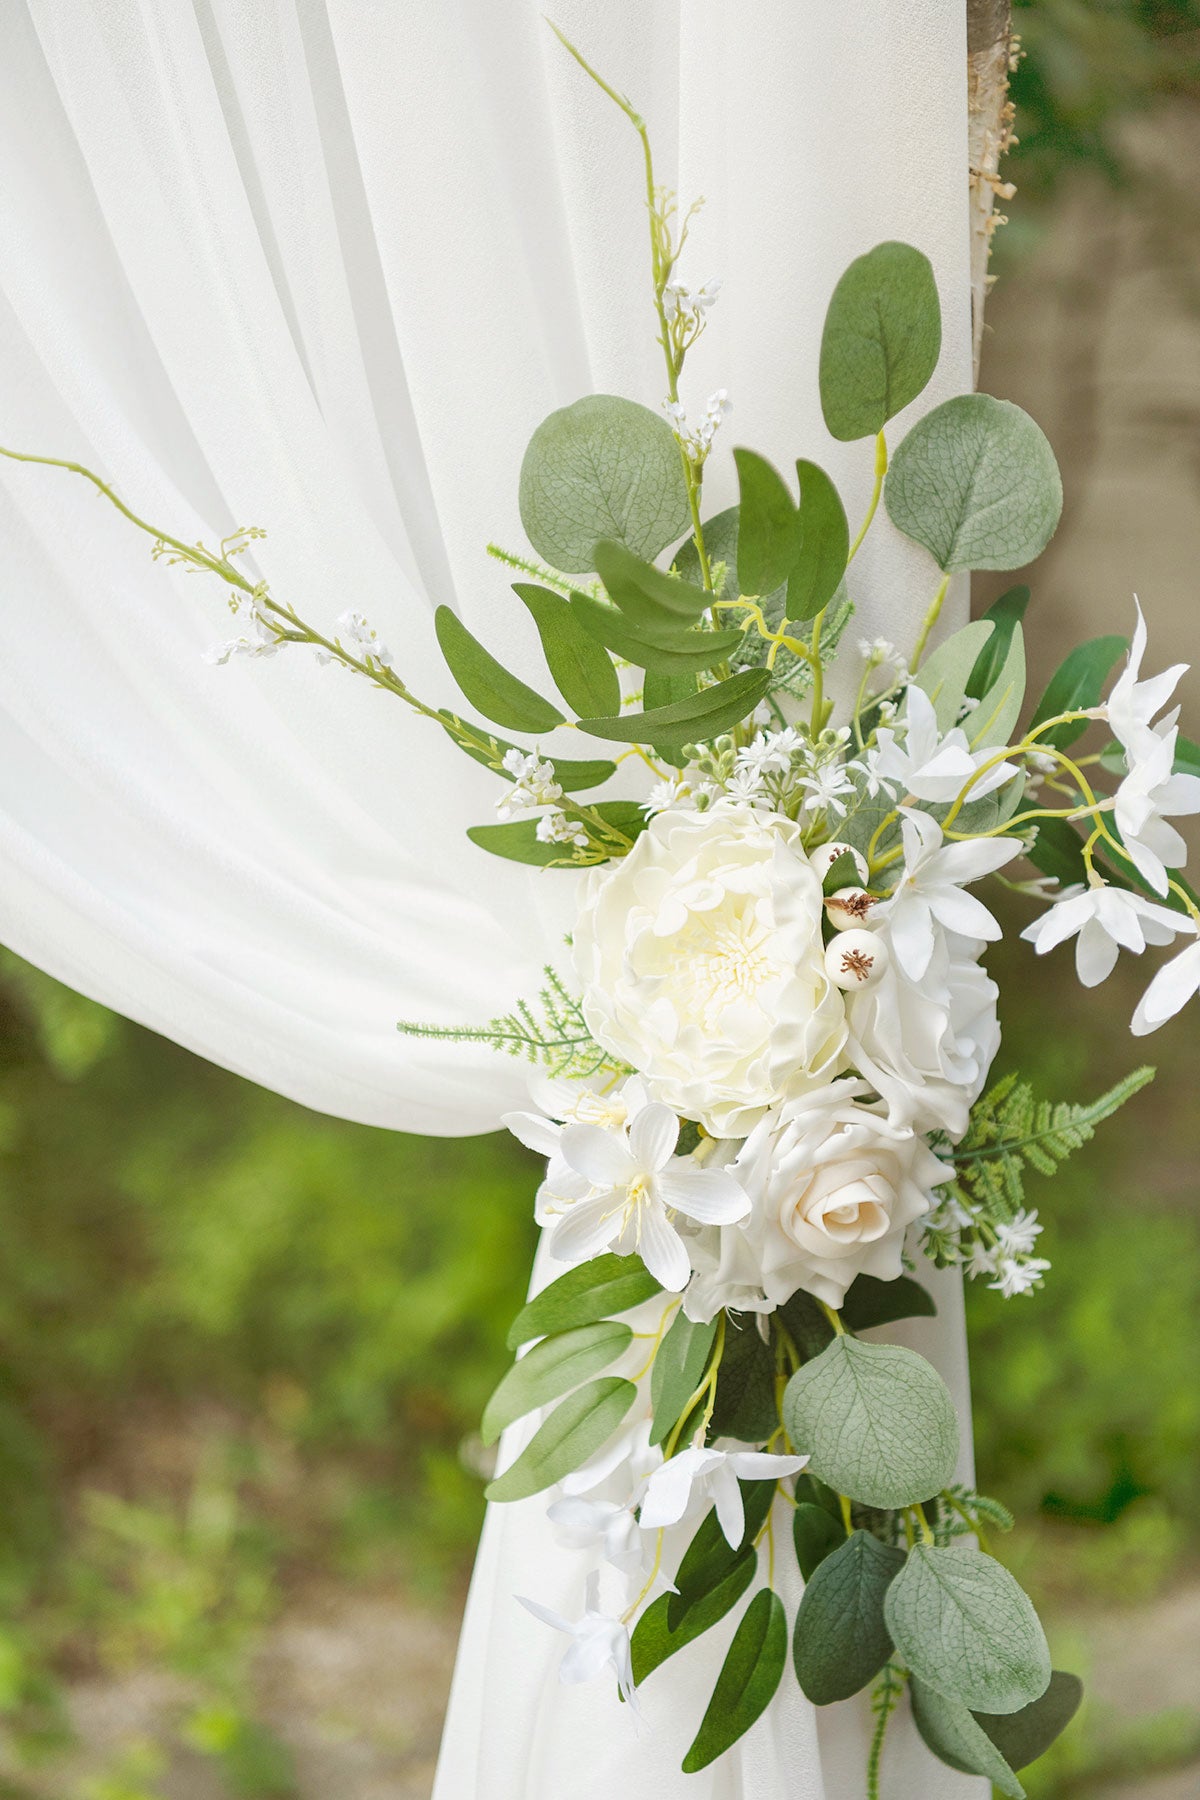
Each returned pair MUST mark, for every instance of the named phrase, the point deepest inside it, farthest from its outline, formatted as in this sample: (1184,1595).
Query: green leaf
(746,1685)
(1022,1737)
(975,482)
(571,776)
(877,1421)
(952,1733)
(744,1404)
(705,715)
(680,1362)
(721,544)
(648,595)
(593,1290)
(768,525)
(655,1638)
(882,338)
(709,1557)
(870,1302)
(487,684)
(674,653)
(582,671)
(660,689)
(1077,684)
(565,1440)
(1058,850)
(551,1368)
(824,545)
(992,721)
(517,841)
(602,468)
(1005,614)
(816,1535)
(945,673)
(841,1641)
(965,1627)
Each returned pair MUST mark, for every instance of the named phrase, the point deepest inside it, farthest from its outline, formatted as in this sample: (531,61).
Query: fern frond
(1007,1126)
(550,1032)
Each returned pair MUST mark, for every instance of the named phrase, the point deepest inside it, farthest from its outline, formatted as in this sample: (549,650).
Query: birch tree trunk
(989,45)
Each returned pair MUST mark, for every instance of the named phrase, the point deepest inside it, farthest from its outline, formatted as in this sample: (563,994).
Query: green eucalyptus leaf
(950,1730)
(1004,614)
(877,1421)
(703,716)
(841,1640)
(553,1367)
(681,1360)
(881,342)
(602,468)
(655,1639)
(487,684)
(975,482)
(945,673)
(1021,1737)
(816,1534)
(824,545)
(566,1438)
(965,1627)
(992,721)
(668,653)
(745,1687)
(709,1557)
(1077,684)
(870,1302)
(744,1404)
(768,541)
(647,595)
(582,670)
(571,776)
(592,1290)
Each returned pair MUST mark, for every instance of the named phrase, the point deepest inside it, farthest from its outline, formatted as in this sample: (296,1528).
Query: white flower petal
(653,1135)
(710,1196)
(662,1249)
(600,1155)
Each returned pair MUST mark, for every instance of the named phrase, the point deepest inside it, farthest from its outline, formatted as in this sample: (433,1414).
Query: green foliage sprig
(550,1032)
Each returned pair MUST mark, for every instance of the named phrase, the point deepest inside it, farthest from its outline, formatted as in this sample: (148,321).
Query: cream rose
(833,1187)
(701,964)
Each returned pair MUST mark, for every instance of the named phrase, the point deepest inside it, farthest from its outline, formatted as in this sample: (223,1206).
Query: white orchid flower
(931,890)
(583,1524)
(1149,795)
(599,1642)
(920,762)
(714,1474)
(1169,992)
(626,1187)
(1103,920)
(1132,705)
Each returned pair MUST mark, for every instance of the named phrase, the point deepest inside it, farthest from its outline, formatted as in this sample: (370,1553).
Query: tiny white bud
(849,908)
(855,958)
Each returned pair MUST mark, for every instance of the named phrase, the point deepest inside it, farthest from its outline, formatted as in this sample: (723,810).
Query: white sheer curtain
(321,266)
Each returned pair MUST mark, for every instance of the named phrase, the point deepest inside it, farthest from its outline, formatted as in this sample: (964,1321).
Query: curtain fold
(321,266)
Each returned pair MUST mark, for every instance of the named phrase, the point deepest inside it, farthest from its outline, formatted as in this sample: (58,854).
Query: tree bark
(990,115)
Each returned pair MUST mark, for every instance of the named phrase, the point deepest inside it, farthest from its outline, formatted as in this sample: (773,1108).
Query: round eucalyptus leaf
(877,1421)
(602,468)
(956,1738)
(882,338)
(965,1627)
(975,482)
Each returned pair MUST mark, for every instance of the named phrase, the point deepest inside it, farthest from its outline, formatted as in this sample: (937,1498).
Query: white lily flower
(930,767)
(582,1524)
(1107,920)
(1149,795)
(599,1642)
(1133,703)
(1169,992)
(714,1474)
(931,890)
(627,1186)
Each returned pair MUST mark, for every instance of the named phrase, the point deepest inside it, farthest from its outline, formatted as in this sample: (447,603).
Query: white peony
(701,962)
(927,1046)
(833,1186)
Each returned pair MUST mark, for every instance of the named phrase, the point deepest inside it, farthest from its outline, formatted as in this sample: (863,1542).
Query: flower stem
(881,463)
(930,620)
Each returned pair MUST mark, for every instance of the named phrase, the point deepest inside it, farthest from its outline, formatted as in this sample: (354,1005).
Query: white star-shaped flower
(1149,795)
(930,891)
(920,762)
(599,1642)
(713,1474)
(1133,703)
(1107,920)
(583,1524)
(1169,992)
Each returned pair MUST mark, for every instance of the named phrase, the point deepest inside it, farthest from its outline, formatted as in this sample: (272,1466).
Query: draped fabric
(321,266)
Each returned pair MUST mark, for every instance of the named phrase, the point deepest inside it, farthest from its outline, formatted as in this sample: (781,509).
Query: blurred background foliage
(243,1347)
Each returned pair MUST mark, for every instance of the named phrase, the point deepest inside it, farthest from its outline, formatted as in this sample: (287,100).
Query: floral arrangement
(760,1087)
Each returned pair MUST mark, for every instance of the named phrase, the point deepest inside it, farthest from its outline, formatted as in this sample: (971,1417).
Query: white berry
(849,908)
(855,958)
(822,860)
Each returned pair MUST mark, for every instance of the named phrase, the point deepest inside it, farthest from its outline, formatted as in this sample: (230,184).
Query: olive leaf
(566,1438)
(592,1290)
(824,545)
(602,468)
(768,541)
(487,684)
(582,670)
(746,1685)
(678,1365)
(551,1368)
(695,720)
(655,1638)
